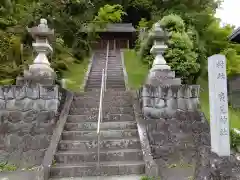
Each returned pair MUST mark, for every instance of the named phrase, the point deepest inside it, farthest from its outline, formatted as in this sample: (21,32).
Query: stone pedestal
(161,77)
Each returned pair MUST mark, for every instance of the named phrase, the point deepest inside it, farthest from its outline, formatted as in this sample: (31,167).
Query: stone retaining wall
(209,165)
(165,100)
(27,118)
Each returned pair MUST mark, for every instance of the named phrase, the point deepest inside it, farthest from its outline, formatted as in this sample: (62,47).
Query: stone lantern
(160,73)
(158,48)
(40,71)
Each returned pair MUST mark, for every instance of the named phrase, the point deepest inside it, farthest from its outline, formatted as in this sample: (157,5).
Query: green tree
(180,53)
(110,14)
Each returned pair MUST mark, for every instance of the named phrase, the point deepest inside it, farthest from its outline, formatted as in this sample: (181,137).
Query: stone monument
(217,79)
(40,71)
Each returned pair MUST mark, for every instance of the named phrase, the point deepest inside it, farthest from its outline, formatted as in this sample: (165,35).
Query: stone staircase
(115,77)
(120,149)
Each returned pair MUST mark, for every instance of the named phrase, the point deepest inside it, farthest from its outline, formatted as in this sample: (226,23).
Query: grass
(234,115)
(136,70)
(75,75)
(5,167)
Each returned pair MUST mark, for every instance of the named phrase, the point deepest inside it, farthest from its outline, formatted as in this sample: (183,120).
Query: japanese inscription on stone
(217,78)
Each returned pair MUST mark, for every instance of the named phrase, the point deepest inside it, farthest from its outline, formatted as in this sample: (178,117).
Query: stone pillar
(40,71)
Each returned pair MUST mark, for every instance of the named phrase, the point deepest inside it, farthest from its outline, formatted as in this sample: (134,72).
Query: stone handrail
(49,155)
(151,168)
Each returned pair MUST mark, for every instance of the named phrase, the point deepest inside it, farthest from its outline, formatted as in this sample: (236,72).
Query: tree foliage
(180,53)
(195,31)
(72,42)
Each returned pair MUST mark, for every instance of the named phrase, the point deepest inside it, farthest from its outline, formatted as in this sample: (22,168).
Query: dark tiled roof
(120,27)
(235,36)
(116,27)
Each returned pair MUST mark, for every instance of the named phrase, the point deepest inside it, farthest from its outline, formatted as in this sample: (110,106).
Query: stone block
(40,142)
(1,93)
(182,104)
(24,104)
(12,142)
(184,92)
(20,92)
(3,117)
(10,104)
(15,116)
(45,116)
(2,142)
(163,81)
(147,102)
(39,104)
(45,128)
(49,92)
(15,157)
(26,143)
(195,91)
(172,103)
(159,103)
(33,92)
(165,73)
(4,156)
(29,116)
(32,158)
(19,128)
(9,92)
(192,104)
(52,105)
(146,91)
(2,104)
(174,90)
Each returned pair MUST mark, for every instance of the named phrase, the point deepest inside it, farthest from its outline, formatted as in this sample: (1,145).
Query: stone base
(162,76)
(31,80)
(37,76)
(165,81)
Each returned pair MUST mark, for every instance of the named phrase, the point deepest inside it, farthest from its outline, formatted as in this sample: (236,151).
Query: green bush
(173,22)
(180,54)
(235,139)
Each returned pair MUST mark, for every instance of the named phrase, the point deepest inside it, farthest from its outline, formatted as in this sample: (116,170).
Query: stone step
(109,92)
(90,118)
(104,134)
(110,77)
(116,86)
(95,104)
(109,81)
(111,144)
(75,157)
(105,169)
(114,83)
(94,111)
(128,177)
(104,126)
(95,83)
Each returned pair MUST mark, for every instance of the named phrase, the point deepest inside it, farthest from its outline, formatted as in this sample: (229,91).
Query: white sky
(230,12)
